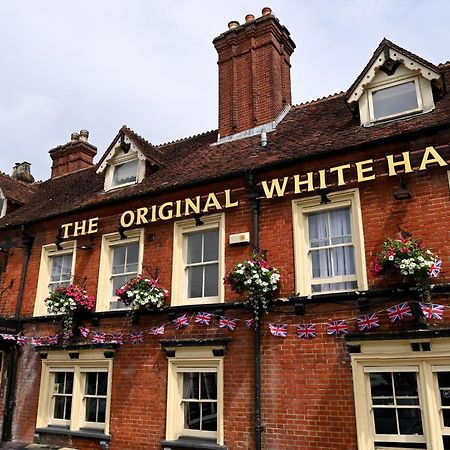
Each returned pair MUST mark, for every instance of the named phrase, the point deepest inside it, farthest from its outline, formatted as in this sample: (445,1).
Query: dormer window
(390,101)
(125,173)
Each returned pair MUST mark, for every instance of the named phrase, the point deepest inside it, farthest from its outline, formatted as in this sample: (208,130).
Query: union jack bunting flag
(52,340)
(432,311)
(307,330)
(181,322)
(250,323)
(98,338)
(203,318)
(8,337)
(278,329)
(36,341)
(116,338)
(22,340)
(435,268)
(84,331)
(157,331)
(399,312)
(230,324)
(67,335)
(368,322)
(337,327)
(137,338)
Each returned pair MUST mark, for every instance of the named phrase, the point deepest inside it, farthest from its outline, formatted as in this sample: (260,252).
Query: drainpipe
(253,196)
(13,353)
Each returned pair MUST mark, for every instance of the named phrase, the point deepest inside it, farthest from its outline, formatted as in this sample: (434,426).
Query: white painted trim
(4,206)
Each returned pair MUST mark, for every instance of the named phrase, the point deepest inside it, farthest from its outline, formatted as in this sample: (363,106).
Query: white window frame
(4,206)
(398,356)
(45,271)
(59,361)
(122,158)
(179,274)
(386,85)
(303,267)
(192,359)
(2,364)
(109,241)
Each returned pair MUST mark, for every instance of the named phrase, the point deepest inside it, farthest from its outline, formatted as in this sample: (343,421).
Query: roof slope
(15,190)
(311,129)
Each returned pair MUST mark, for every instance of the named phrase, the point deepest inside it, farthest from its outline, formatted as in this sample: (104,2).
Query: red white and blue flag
(399,312)
(432,311)
(203,318)
(22,340)
(307,330)
(181,321)
(137,338)
(278,329)
(435,268)
(367,322)
(250,323)
(84,332)
(157,331)
(8,337)
(67,335)
(116,338)
(52,340)
(98,338)
(337,327)
(227,323)
(36,341)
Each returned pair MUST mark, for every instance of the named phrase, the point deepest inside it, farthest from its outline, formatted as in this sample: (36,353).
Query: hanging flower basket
(143,294)
(410,258)
(256,277)
(70,301)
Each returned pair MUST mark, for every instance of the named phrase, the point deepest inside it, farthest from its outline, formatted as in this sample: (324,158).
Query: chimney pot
(22,172)
(233,24)
(266,11)
(84,135)
(249,18)
(74,137)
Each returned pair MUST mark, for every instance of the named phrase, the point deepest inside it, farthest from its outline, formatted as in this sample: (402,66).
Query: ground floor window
(402,398)
(75,393)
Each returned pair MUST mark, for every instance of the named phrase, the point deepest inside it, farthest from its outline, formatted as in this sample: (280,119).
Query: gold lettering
(178,208)
(153,219)
(169,213)
(308,182)
(140,215)
(79,228)
(340,173)
(361,170)
(211,201)
(228,203)
(189,204)
(437,158)
(126,223)
(92,225)
(322,181)
(405,162)
(274,186)
(65,228)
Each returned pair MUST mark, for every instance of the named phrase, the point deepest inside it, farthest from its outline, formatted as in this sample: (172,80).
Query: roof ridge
(444,64)
(176,141)
(138,136)
(320,99)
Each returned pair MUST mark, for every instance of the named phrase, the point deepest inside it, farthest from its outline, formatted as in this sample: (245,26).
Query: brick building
(319,187)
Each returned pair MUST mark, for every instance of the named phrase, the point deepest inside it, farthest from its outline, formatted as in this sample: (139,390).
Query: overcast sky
(99,64)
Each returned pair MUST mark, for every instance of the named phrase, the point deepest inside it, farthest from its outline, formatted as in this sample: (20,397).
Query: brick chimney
(75,155)
(22,172)
(254,73)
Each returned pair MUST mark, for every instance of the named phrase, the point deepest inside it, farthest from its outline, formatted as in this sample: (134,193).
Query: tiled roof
(308,130)
(15,190)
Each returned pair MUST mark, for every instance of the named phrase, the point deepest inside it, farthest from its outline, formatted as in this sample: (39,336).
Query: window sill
(189,442)
(83,433)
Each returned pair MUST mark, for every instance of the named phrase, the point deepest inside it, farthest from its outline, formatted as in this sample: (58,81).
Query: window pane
(69,383)
(394,100)
(57,262)
(125,173)
(190,385)
(101,410)
(195,281)
(318,229)
(405,384)
(326,287)
(209,417)
(91,383)
(194,248)
(59,407)
(66,267)
(444,379)
(209,386)
(211,280)
(211,242)
(385,421)
(446,417)
(343,260)
(118,282)
(192,416)
(91,409)
(132,258)
(119,254)
(102,383)
(410,421)
(321,263)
